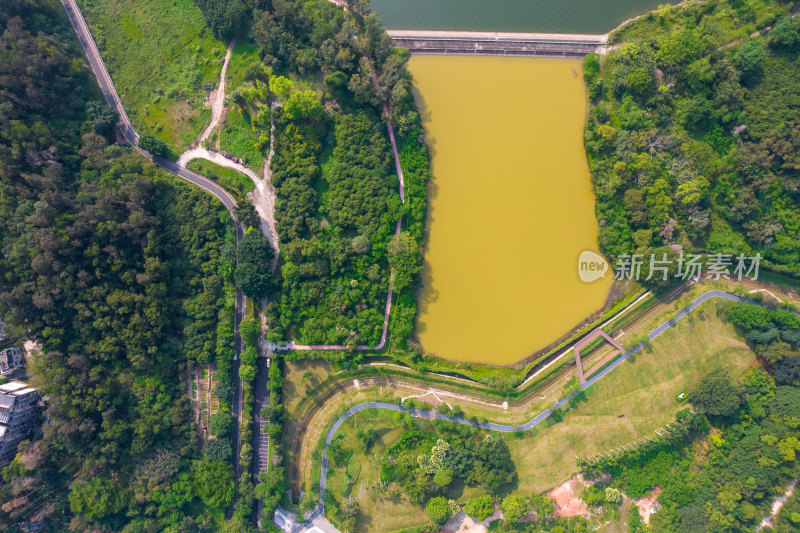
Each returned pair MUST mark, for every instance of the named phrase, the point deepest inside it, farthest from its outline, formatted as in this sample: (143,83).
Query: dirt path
(216,99)
(776,506)
(263,196)
(265,190)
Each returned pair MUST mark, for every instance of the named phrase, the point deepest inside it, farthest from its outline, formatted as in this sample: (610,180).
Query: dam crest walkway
(498,43)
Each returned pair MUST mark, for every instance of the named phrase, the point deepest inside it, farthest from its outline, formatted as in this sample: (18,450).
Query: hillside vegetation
(161,57)
(330,73)
(692,133)
(122,276)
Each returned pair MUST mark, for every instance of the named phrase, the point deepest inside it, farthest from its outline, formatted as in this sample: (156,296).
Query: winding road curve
(112,97)
(320,510)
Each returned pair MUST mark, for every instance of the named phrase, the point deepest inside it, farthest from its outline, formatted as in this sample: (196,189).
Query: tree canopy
(118,272)
(716,395)
(690,135)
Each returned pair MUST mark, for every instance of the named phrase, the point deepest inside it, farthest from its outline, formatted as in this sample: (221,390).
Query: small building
(19,408)
(11,359)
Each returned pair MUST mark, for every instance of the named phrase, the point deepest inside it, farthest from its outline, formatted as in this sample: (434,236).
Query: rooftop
(15,388)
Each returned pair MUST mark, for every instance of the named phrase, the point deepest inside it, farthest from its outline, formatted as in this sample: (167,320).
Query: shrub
(480,508)
(514,508)
(220,424)
(716,395)
(153,145)
(438,509)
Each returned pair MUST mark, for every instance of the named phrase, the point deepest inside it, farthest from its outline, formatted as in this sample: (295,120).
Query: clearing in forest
(163,61)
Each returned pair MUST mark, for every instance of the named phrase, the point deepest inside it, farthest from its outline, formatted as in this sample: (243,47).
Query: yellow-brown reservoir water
(511,206)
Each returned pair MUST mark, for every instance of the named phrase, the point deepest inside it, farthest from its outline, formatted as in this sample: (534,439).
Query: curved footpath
(319,512)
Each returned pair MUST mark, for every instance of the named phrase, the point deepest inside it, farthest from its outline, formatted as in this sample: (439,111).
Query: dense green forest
(226,18)
(334,176)
(692,132)
(125,276)
(122,275)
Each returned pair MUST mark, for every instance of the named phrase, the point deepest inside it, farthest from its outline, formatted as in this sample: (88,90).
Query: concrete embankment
(497,43)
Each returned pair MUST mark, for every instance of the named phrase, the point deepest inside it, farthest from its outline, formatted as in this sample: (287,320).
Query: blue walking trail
(503,427)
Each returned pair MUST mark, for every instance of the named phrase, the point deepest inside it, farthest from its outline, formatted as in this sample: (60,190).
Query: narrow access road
(432,415)
(112,97)
(126,128)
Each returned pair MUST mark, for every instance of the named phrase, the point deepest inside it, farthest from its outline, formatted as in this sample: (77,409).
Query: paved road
(431,415)
(112,97)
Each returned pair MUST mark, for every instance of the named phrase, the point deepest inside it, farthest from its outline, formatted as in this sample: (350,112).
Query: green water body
(547,16)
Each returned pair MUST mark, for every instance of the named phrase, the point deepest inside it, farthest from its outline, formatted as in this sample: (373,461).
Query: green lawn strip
(602,367)
(161,56)
(650,302)
(778,280)
(635,399)
(233,182)
(239,139)
(631,402)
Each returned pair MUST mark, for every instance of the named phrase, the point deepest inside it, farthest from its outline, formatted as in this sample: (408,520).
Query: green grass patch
(160,55)
(631,402)
(775,278)
(243,57)
(239,139)
(634,399)
(353,471)
(233,182)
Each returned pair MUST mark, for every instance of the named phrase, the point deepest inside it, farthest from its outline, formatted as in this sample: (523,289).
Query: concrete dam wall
(497,44)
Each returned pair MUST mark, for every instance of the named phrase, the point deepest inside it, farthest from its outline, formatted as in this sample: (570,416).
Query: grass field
(239,139)
(237,136)
(374,505)
(633,401)
(298,378)
(243,57)
(160,55)
(233,182)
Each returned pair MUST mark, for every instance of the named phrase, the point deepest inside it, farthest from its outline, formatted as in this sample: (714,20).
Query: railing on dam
(492,43)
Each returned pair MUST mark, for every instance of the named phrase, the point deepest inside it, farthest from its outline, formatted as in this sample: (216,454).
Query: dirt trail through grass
(263,196)
(216,99)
